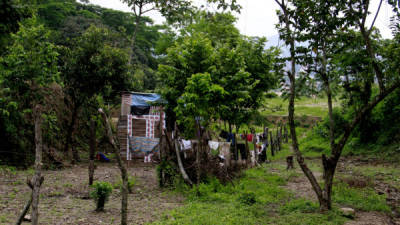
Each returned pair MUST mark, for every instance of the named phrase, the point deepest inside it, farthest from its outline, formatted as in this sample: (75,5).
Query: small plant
(100,194)
(131,183)
(247,198)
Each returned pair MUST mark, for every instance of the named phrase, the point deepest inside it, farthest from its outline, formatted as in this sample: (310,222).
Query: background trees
(28,74)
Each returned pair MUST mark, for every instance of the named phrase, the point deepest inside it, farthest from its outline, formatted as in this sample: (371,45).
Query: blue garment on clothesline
(231,137)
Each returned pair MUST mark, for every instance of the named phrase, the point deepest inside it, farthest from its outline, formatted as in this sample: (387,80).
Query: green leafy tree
(28,70)
(200,101)
(193,55)
(320,24)
(93,68)
(11,13)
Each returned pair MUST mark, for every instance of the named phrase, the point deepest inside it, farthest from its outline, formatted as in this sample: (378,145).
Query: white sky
(258,17)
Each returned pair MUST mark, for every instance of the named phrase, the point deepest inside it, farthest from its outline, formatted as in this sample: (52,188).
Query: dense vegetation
(65,60)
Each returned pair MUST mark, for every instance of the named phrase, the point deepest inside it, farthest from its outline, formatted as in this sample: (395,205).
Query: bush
(247,198)
(101,193)
(339,124)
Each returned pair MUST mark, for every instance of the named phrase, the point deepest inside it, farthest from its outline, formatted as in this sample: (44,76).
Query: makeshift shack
(140,124)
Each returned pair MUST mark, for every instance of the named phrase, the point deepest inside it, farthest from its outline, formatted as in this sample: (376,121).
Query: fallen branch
(182,170)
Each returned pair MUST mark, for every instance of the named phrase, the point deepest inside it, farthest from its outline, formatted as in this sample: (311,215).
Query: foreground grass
(259,196)
(256,198)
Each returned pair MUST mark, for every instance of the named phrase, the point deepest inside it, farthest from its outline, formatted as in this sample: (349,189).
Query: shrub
(247,198)
(339,124)
(101,193)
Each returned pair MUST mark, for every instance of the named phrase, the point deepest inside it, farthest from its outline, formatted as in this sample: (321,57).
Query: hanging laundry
(225,149)
(147,158)
(213,145)
(185,144)
(250,137)
(231,137)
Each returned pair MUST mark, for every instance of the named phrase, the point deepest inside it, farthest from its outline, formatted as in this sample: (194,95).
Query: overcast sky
(258,17)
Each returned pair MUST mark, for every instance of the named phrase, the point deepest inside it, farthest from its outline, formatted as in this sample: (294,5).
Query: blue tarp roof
(145,99)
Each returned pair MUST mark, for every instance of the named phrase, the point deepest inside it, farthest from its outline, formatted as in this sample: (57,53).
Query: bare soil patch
(63,196)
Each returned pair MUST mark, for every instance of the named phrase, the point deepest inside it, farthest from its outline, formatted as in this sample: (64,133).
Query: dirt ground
(63,196)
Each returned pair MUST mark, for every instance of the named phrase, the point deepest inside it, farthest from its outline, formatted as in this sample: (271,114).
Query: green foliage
(27,71)
(199,100)
(171,177)
(31,58)
(247,198)
(12,12)
(100,193)
(299,205)
(239,71)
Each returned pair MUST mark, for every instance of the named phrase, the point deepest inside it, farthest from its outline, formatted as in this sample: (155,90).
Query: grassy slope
(303,106)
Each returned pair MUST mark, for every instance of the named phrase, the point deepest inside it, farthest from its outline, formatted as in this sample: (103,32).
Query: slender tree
(318,23)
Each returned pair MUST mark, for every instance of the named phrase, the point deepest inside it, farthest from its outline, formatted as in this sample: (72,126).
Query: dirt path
(62,196)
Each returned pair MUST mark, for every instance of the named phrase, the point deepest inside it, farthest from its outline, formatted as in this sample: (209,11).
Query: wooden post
(92,150)
(180,164)
(289,161)
(38,165)
(198,133)
(247,149)
(272,144)
(255,147)
(286,135)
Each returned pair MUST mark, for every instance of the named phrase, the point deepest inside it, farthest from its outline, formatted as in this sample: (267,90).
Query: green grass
(256,198)
(303,106)
(365,199)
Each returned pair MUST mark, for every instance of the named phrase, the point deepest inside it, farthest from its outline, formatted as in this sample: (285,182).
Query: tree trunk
(70,131)
(272,144)
(289,162)
(124,175)
(28,204)
(199,146)
(180,164)
(255,148)
(75,153)
(248,161)
(38,165)
(92,150)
